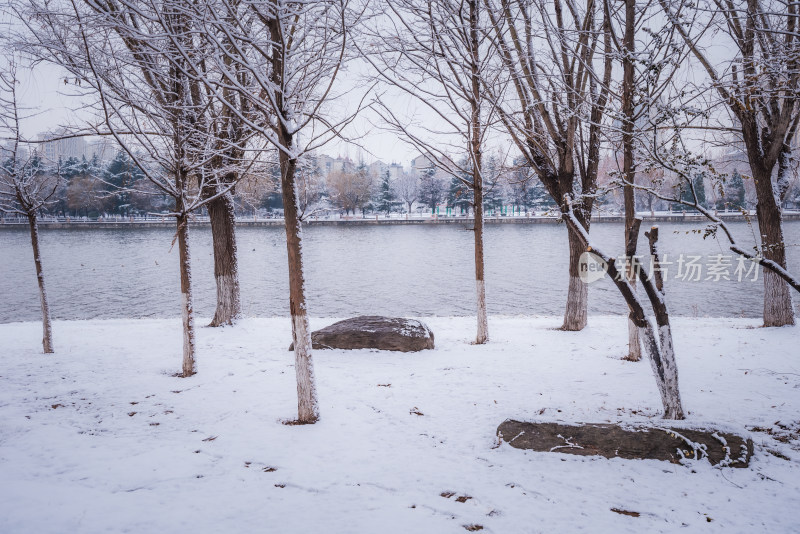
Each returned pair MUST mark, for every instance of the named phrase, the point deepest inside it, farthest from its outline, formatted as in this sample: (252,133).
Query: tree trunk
(664,367)
(307,406)
(47,333)
(187,308)
(662,360)
(632,233)
(226,267)
(778,306)
(477,163)
(483,322)
(578,292)
(629,168)
(634,346)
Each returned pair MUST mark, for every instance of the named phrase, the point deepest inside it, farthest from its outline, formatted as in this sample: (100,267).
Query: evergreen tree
(385,200)
(734,193)
(85,192)
(492,188)
(122,177)
(431,188)
(274,201)
(460,196)
(520,183)
(687,196)
(538,197)
(69,168)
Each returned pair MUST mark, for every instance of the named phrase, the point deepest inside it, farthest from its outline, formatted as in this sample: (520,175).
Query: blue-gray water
(388,270)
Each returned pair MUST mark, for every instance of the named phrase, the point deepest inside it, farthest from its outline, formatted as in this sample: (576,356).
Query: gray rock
(374,332)
(654,442)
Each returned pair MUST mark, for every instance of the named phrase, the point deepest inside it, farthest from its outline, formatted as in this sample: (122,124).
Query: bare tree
(406,189)
(758,83)
(292,53)
(24,186)
(556,61)
(222,169)
(629,166)
(649,57)
(350,189)
(439,54)
(253,188)
(134,58)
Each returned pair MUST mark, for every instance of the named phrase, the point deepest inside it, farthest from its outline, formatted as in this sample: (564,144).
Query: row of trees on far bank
(216,101)
(92,189)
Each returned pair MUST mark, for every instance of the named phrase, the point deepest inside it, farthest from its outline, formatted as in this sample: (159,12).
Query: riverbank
(101,437)
(249,222)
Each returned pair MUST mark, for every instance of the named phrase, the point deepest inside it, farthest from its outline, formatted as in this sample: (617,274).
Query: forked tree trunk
(578,292)
(47,333)
(307,406)
(778,306)
(483,322)
(660,352)
(226,267)
(187,307)
(665,368)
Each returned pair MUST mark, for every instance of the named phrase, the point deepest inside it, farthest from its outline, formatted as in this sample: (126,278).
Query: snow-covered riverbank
(99,437)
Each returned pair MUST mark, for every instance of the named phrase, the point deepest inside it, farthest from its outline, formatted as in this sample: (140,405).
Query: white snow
(101,437)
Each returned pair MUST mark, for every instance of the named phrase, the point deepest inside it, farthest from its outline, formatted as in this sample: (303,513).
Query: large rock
(374,332)
(653,442)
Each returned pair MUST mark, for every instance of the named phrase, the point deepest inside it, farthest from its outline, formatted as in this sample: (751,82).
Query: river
(418,270)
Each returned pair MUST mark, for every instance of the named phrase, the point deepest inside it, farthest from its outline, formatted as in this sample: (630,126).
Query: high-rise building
(395,171)
(104,148)
(67,147)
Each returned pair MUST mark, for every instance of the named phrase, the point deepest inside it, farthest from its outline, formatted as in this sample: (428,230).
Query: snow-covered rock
(374,332)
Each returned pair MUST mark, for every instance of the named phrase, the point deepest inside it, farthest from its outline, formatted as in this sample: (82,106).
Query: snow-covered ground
(100,437)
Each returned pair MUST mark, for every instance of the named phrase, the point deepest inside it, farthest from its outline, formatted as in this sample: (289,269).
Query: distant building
(327,164)
(341,164)
(378,168)
(55,149)
(421,163)
(104,148)
(395,171)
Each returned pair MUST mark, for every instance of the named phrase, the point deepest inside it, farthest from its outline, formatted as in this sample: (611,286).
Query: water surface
(389,270)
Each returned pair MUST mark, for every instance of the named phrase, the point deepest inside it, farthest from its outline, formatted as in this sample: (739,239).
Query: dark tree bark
(226,263)
(778,305)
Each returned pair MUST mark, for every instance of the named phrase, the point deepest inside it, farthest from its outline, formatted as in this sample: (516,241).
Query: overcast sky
(43,90)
